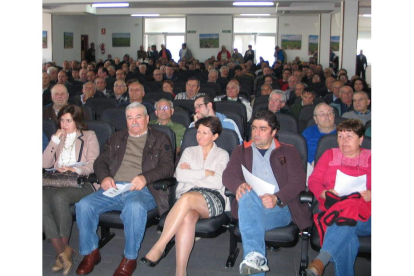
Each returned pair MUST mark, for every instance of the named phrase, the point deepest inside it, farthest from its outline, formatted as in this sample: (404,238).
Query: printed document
(259,186)
(120,188)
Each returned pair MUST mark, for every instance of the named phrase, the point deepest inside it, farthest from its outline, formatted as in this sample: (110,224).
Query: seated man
(138,155)
(100,84)
(332,95)
(136,93)
(120,93)
(88,91)
(47,98)
(344,102)
(278,164)
(192,86)
(360,112)
(323,115)
(60,96)
(164,109)
(307,96)
(204,106)
(277,100)
(232,92)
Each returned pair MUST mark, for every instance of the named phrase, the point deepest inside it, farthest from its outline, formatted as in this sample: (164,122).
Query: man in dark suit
(100,84)
(249,55)
(361,65)
(88,91)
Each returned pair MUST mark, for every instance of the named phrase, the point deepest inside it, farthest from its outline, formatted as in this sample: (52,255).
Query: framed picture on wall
(313,44)
(335,43)
(67,40)
(121,39)
(209,40)
(292,42)
(44,39)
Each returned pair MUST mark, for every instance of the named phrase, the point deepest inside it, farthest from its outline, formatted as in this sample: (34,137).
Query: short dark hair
(76,113)
(104,70)
(351,125)
(170,82)
(213,123)
(308,90)
(206,99)
(267,116)
(192,79)
(238,67)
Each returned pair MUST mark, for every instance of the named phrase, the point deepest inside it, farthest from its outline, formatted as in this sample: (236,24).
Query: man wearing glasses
(277,100)
(164,109)
(324,118)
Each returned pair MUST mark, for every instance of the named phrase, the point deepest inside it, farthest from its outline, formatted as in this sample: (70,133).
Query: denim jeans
(255,220)
(341,242)
(134,206)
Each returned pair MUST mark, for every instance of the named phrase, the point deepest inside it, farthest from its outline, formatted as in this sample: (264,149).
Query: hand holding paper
(259,186)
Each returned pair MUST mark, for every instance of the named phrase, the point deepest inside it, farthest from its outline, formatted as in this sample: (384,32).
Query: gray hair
(320,104)
(164,100)
(304,84)
(279,92)
(222,68)
(213,71)
(51,69)
(136,105)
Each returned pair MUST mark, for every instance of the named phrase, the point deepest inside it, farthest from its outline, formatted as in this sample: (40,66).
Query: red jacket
(219,55)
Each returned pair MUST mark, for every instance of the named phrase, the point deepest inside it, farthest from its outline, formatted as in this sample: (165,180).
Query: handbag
(63,180)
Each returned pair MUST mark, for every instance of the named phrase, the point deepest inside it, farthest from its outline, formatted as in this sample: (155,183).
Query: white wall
(119,24)
(209,24)
(47,26)
(304,25)
(76,24)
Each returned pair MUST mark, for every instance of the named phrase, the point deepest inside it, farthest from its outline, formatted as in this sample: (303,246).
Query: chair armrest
(306,197)
(92,178)
(229,193)
(163,184)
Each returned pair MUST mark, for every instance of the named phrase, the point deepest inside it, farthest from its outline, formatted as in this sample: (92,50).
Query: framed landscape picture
(44,39)
(67,40)
(292,42)
(335,43)
(209,40)
(313,44)
(121,39)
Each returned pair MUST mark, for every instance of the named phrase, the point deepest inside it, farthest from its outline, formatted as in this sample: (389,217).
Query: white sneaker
(253,263)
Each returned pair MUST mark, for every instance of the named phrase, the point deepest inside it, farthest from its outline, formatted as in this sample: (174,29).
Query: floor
(207,258)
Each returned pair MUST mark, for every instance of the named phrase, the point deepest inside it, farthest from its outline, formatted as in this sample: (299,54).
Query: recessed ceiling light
(253,3)
(110,5)
(255,14)
(145,14)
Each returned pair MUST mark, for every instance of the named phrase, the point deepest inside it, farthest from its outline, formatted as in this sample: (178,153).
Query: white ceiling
(182,7)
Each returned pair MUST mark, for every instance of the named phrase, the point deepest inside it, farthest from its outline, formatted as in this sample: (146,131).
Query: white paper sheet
(346,184)
(309,171)
(120,188)
(259,186)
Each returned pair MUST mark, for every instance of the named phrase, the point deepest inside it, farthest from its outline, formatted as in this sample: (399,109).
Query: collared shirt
(261,166)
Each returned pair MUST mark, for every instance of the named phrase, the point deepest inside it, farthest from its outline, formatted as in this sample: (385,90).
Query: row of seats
(212,227)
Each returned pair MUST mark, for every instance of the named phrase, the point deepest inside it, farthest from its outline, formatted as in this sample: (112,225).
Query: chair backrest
(261,99)
(237,119)
(330,141)
(287,122)
(49,127)
(181,117)
(368,124)
(236,107)
(187,105)
(100,104)
(259,106)
(228,139)
(158,95)
(153,85)
(89,110)
(115,117)
(305,113)
(170,133)
(212,85)
(207,90)
(298,141)
(337,120)
(102,130)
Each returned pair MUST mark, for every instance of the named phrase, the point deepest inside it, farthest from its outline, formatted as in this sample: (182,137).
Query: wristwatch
(278,201)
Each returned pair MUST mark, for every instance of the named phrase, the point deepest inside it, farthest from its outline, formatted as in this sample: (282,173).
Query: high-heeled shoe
(66,259)
(150,263)
(58,265)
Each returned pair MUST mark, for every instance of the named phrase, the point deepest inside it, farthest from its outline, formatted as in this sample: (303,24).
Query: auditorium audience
(360,104)
(192,87)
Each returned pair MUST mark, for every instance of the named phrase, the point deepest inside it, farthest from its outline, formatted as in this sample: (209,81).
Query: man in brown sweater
(277,164)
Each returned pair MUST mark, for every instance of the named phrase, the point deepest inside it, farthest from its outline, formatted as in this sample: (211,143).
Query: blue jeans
(341,242)
(134,206)
(255,220)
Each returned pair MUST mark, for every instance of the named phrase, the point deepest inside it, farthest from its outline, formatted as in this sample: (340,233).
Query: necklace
(67,151)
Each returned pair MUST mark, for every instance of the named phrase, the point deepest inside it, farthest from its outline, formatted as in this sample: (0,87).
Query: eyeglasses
(328,114)
(165,108)
(198,106)
(276,101)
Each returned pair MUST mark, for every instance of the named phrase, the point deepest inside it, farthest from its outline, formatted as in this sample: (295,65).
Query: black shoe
(150,263)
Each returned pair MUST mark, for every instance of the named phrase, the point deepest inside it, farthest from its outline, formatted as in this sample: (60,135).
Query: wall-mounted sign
(103,31)
(191,32)
(226,31)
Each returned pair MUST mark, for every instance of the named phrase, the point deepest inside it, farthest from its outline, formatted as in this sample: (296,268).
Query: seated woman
(200,194)
(168,86)
(71,144)
(345,164)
